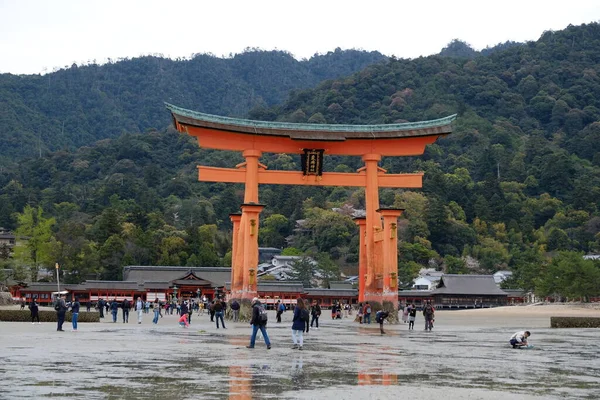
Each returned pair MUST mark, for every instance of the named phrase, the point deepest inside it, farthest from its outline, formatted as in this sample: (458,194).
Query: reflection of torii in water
(378,262)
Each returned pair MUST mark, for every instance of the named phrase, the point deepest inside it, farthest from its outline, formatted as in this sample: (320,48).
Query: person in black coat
(61,309)
(126,307)
(100,305)
(33,307)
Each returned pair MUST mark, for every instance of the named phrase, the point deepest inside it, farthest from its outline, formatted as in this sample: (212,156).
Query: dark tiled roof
(42,287)
(468,285)
(156,285)
(340,285)
(331,292)
(415,293)
(215,275)
(514,292)
(192,282)
(293,287)
(125,285)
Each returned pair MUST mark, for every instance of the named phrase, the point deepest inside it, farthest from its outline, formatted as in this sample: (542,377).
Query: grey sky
(39,36)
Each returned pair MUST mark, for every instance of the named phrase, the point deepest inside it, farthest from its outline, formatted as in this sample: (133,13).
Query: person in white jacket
(519,339)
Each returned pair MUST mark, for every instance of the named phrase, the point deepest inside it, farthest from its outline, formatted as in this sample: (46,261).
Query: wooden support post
(362,258)
(236,268)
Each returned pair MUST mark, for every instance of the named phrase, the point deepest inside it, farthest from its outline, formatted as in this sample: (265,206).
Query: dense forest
(79,105)
(516,186)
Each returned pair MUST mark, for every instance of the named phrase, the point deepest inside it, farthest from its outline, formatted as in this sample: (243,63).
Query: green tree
(36,231)
(455,265)
(304,270)
(111,255)
(274,230)
(569,276)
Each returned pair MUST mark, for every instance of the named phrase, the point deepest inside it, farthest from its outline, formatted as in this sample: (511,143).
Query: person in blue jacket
(114,309)
(75,313)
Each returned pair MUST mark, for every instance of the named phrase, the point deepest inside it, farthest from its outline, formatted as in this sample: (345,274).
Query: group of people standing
(61,307)
(113,306)
(409,314)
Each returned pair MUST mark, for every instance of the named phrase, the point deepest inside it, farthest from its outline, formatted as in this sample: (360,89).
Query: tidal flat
(466,356)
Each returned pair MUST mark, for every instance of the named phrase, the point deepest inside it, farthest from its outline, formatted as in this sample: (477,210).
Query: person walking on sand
(75,313)
(280,308)
(316,313)
(61,309)
(359,313)
(34,309)
(114,309)
(405,312)
(429,314)
(259,322)
(298,325)
(126,308)
(183,310)
(218,308)
(139,308)
(519,339)
(412,315)
(156,309)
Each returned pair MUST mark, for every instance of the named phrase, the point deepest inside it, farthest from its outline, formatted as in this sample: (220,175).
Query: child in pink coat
(183,321)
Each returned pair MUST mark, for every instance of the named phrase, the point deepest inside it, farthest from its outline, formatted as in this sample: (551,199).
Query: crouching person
(380,317)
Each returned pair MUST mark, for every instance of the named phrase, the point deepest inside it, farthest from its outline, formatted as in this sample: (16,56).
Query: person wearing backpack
(258,321)
(298,324)
(412,315)
(429,314)
(280,309)
(316,313)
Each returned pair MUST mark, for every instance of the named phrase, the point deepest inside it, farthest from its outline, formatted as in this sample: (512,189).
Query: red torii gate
(378,254)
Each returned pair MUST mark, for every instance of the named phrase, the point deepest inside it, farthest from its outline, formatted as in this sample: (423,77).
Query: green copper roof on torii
(247,123)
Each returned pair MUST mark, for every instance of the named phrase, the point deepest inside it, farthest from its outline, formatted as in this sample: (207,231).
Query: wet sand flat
(467,356)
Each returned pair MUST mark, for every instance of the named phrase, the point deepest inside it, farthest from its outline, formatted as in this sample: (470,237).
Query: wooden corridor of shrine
(378,254)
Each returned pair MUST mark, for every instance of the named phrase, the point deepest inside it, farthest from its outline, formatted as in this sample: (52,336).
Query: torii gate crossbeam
(378,251)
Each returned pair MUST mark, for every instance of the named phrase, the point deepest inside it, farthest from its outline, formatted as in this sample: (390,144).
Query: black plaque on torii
(312,162)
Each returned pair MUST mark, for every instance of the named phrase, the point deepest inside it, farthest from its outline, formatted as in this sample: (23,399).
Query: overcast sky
(38,36)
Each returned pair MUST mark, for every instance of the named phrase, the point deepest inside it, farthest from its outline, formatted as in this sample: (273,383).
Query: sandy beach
(467,356)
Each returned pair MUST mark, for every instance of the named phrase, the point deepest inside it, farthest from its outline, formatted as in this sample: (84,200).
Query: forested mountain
(79,105)
(516,186)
